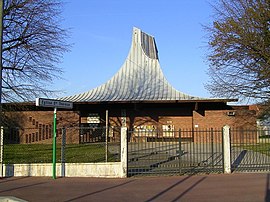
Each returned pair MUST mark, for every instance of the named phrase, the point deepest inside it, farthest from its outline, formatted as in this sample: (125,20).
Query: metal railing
(250,150)
(74,145)
(175,152)
(150,152)
(197,151)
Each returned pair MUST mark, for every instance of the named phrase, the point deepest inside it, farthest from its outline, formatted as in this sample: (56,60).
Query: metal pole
(180,151)
(1,67)
(1,53)
(54,143)
(63,151)
(1,150)
(107,120)
(212,146)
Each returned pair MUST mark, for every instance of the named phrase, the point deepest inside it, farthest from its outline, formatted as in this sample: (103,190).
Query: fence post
(180,151)
(124,150)
(1,151)
(63,152)
(226,150)
(106,133)
(212,147)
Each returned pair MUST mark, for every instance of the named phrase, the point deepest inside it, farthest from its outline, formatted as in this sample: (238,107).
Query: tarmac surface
(236,187)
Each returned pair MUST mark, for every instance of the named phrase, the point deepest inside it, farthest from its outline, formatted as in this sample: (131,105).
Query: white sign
(93,118)
(42,102)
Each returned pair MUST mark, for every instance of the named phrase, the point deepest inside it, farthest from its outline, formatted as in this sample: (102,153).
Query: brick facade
(36,126)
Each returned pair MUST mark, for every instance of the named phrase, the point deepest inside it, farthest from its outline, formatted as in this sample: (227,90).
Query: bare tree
(239,56)
(33,45)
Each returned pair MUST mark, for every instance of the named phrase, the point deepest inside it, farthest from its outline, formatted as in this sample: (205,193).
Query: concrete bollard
(226,150)
(124,152)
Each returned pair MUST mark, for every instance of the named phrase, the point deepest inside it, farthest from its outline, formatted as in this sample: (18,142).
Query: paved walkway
(246,187)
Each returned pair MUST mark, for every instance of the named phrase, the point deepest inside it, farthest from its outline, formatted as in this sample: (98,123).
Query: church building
(138,97)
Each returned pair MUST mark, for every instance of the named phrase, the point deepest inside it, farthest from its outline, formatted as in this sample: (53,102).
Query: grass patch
(261,148)
(264,137)
(42,153)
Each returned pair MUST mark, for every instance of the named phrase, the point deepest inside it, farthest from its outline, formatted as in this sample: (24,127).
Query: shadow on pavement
(189,189)
(10,179)
(22,187)
(99,191)
(238,160)
(174,185)
(267,191)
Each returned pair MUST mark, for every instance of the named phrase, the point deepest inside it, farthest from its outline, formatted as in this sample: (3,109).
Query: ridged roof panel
(139,79)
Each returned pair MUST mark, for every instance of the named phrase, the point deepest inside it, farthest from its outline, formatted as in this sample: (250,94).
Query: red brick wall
(36,126)
(220,118)
(242,118)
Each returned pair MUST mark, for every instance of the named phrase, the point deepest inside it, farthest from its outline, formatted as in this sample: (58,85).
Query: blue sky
(101,32)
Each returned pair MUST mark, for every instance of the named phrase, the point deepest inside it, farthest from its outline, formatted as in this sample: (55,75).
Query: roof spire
(139,79)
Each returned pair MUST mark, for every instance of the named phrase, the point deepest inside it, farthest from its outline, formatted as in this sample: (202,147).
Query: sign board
(43,102)
(93,118)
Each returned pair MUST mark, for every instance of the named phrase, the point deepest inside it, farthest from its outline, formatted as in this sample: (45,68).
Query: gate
(250,150)
(154,152)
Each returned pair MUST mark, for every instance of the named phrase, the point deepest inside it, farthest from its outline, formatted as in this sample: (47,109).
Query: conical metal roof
(139,79)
